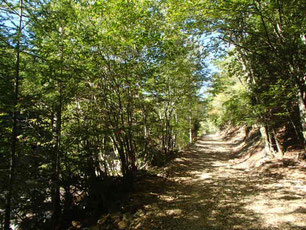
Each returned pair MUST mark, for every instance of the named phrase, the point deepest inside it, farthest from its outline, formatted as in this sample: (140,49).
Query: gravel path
(200,190)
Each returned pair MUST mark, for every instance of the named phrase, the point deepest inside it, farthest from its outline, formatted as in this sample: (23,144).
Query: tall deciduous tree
(269,42)
(107,87)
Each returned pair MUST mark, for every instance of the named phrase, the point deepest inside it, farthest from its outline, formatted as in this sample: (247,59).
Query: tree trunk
(190,131)
(278,146)
(302,114)
(265,133)
(8,205)
(271,143)
(190,124)
(56,207)
(56,201)
(175,134)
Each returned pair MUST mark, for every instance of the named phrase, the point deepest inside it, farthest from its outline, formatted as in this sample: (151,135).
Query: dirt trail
(200,190)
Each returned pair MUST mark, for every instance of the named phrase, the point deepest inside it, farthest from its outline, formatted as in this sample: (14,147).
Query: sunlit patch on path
(201,190)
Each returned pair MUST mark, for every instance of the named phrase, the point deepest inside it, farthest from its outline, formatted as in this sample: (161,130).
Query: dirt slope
(202,189)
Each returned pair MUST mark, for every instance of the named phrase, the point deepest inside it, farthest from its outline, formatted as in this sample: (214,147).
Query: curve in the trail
(200,190)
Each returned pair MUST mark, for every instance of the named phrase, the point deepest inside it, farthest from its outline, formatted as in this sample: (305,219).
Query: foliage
(230,101)
(105,88)
(94,90)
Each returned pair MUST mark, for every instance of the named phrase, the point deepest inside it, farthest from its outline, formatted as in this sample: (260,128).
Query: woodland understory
(94,93)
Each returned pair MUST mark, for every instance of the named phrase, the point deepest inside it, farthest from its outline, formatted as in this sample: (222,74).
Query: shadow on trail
(201,191)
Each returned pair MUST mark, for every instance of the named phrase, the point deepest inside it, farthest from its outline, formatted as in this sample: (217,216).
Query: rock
(122,225)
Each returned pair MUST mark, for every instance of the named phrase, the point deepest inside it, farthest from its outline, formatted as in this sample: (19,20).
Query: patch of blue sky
(216,49)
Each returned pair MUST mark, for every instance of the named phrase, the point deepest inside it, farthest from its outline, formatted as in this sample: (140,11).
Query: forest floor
(203,189)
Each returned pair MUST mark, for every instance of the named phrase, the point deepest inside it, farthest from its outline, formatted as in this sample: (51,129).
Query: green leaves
(107,86)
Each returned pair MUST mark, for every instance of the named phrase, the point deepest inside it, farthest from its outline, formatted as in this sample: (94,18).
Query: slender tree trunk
(268,140)
(56,207)
(162,129)
(175,134)
(119,148)
(190,124)
(8,206)
(56,201)
(302,109)
(145,129)
(264,134)
(168,132)
(278,146)
(296,130)
(190,130)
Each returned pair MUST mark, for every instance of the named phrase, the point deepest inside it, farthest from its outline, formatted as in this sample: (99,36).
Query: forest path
(200,190)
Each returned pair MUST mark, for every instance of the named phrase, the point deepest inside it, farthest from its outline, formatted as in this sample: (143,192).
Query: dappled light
(201,190)
(152,114)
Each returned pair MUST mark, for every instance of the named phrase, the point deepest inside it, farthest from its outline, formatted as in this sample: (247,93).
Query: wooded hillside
(93,91)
